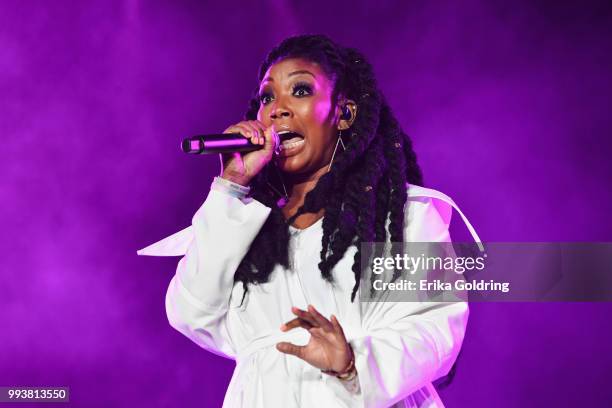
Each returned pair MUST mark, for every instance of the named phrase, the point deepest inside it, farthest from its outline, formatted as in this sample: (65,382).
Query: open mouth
(290,139)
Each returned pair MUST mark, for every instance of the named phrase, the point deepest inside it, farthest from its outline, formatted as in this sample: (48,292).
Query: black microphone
(218,143)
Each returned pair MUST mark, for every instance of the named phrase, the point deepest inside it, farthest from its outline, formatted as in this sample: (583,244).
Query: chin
(292,165)
(300,165)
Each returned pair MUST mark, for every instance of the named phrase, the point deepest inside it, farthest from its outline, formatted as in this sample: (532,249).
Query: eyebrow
(302,71)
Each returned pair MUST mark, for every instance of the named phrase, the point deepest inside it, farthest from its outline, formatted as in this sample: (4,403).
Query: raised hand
(327,349)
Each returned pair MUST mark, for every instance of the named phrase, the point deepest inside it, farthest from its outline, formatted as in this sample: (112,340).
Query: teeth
(287,146)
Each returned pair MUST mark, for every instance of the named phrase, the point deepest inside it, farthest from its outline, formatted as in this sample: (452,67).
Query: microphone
(218,143)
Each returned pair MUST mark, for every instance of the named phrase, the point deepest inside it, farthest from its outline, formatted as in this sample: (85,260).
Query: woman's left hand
(327,348)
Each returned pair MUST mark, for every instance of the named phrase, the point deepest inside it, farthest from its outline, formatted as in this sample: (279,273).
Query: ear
(346,122)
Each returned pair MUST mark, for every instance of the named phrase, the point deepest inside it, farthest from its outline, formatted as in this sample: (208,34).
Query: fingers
(320,319)
(336,325)
(304,316)
(317,332)
(309,319)
(251,129)
(292,349)
(259,130)
(272,137)
(297,322)
(251,132)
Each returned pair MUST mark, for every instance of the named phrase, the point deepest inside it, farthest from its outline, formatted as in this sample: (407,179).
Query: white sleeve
(198,296)
(407,345)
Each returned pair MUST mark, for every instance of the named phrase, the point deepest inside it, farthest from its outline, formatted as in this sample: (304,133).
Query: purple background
(508,104)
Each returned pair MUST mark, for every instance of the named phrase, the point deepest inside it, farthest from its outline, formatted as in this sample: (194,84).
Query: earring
(336,148)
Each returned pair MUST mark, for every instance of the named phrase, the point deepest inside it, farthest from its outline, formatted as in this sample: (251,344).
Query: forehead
(282,70)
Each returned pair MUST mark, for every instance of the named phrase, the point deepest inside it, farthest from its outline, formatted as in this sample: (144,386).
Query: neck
(299,186)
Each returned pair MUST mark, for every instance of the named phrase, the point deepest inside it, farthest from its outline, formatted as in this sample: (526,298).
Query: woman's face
(296,95)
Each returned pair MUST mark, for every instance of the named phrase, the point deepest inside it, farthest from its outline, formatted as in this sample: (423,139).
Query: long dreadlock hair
(366,185)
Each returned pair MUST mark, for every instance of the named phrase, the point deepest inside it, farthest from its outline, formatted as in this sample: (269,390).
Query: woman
(271,270)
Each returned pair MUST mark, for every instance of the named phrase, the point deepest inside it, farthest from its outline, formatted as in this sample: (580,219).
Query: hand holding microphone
(241,167)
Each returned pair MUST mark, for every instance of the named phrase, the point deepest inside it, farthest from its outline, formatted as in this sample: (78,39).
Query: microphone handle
(218,143)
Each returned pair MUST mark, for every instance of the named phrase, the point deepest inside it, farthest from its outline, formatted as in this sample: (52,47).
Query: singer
(271,268)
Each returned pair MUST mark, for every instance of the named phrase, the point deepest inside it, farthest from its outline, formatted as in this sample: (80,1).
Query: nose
(279,111)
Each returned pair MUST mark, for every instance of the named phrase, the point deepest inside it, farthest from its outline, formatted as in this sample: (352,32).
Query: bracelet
(229,187)
(349,373)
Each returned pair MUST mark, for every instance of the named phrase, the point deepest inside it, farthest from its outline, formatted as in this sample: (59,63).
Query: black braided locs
(366,187)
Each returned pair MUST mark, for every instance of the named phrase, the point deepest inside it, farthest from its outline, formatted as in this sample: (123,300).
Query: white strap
(418,191)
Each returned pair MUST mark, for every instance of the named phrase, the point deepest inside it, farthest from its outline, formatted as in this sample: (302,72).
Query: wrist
(236,178)
(349,372)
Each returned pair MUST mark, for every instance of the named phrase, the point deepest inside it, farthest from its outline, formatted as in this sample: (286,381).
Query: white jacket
(400,347)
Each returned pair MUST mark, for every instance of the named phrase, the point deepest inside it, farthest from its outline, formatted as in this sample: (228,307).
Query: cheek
(315,110)
(260,113)
(321,110)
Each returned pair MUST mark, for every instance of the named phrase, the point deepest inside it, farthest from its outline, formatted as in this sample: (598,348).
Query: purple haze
(508,104)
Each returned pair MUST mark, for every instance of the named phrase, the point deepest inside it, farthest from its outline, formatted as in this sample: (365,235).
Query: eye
(302,89)
(265,98)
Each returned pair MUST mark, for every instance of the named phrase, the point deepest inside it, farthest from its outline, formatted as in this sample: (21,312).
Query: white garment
(400,347)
